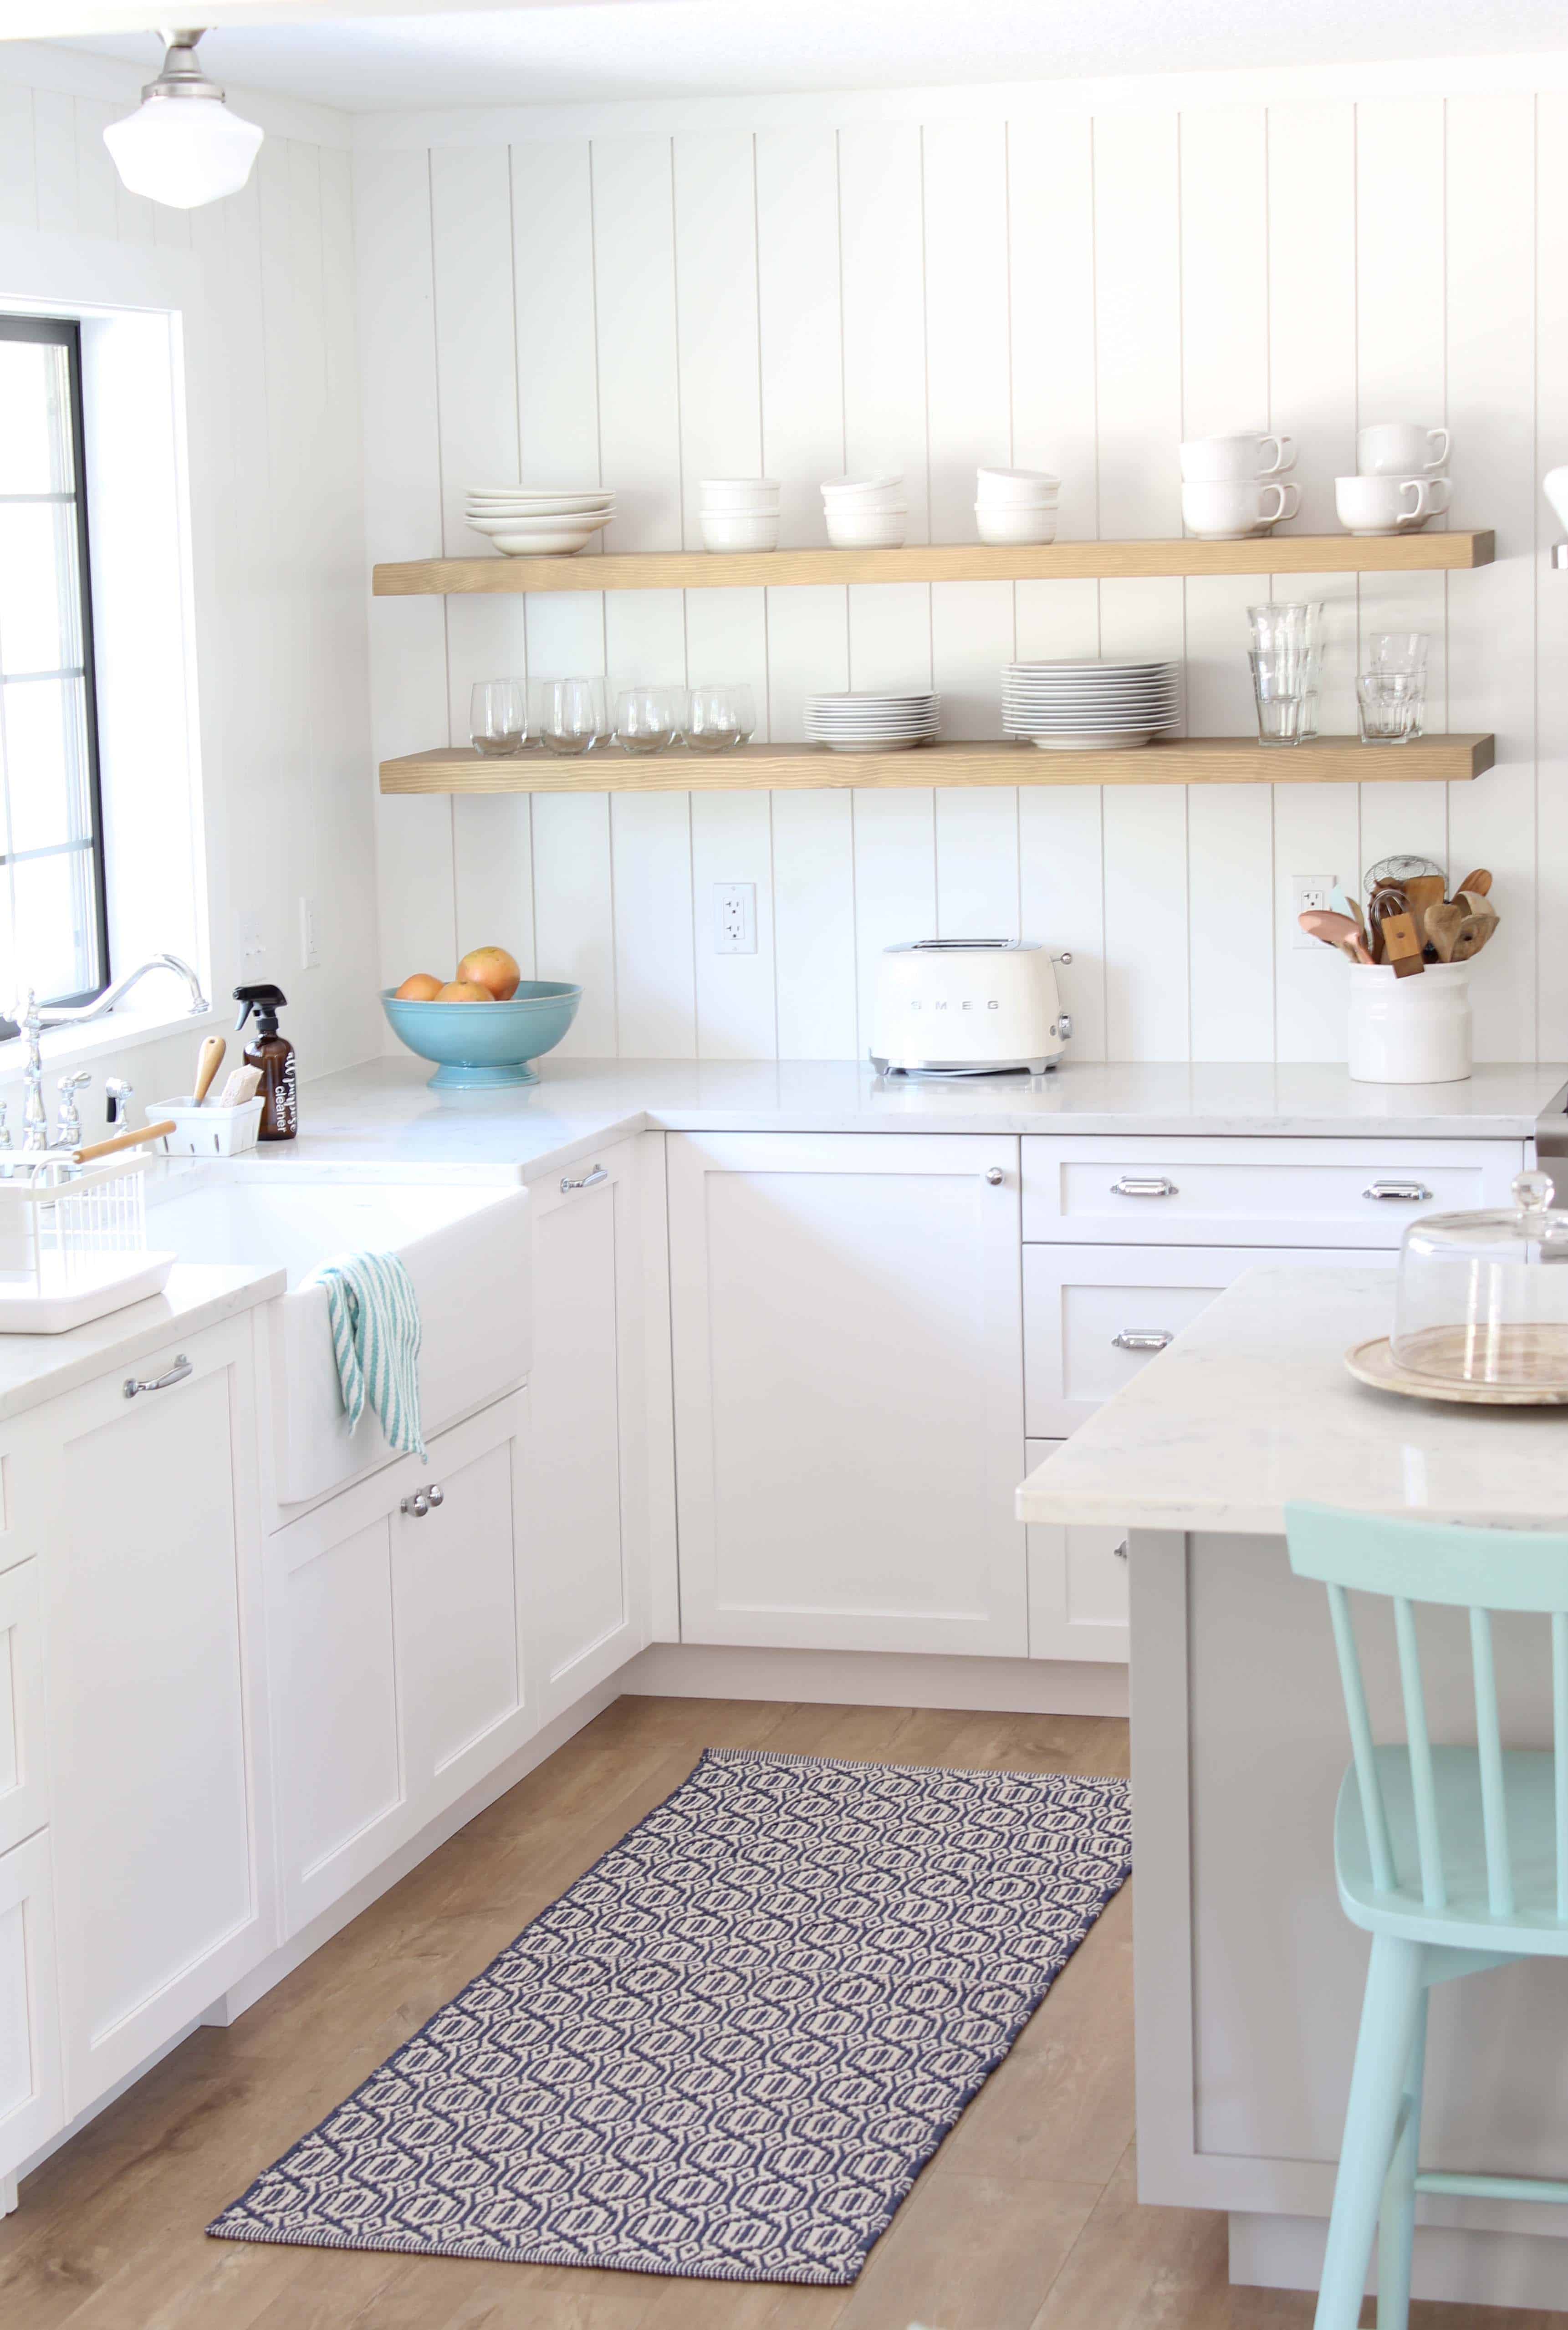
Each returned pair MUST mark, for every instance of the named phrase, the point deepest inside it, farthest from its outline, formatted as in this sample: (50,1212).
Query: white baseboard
(877,1678)
(1464,2268)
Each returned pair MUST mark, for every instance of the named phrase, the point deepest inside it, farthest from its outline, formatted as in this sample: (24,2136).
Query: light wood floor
(1025,2219)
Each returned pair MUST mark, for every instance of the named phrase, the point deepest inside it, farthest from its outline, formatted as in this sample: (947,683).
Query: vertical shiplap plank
(1312,344)
(1550,602)
(96,180)
(279,738)
(574,913)
(977,863)
(800,332)
(1224,288)
(1138,355)
(814,926)
(1401,366)
(655,974)
(1491,405)
(18,172)
(408,662)
(882,235)
(1062,898)
(471,230)
(54,161)
(895,880)
(552,262)
(732,841)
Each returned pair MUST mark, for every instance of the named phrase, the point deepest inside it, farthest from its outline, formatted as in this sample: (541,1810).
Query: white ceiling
(614,48)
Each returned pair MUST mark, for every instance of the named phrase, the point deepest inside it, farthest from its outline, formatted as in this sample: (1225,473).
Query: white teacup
(1221,512)
(1399,448)
(1231,461)
(1388,505)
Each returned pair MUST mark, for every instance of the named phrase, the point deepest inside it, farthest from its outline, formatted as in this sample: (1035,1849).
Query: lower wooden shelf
(789,768)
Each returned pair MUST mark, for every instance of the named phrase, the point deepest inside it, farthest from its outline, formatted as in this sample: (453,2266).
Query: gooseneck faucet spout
(34,1017)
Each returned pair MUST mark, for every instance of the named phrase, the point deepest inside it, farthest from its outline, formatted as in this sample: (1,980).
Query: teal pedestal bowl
(482,1045)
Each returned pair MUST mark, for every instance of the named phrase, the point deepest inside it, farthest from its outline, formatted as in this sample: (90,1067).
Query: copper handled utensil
(1335,930)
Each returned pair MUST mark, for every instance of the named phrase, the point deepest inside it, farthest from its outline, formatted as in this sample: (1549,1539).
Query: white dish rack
(73,1242)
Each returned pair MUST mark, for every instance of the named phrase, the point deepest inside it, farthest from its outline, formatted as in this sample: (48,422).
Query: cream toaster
(968,1008)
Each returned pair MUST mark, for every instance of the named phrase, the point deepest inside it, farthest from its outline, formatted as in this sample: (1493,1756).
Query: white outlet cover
(734,918)
(1308,894)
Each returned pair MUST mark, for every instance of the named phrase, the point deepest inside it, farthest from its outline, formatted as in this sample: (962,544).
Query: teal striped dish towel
(375,1339)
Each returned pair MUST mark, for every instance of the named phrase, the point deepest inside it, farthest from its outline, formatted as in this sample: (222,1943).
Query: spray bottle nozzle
(264,1001)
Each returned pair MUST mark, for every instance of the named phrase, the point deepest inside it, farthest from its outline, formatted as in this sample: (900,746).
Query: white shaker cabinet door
(847,1341)
(31,2107)
(397,1650)
(161,1819)
(587,1510)
(24,1769)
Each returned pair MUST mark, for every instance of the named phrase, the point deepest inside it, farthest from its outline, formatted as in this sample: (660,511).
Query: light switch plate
(734,918)
(309,939)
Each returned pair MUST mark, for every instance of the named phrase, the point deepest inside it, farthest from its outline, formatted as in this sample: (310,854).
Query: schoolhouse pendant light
(183,145)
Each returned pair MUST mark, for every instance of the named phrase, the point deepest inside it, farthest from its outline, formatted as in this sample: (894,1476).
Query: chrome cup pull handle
(1142,1339)
(589,1180)
(1407,1193)
(177,1373)
(1155,1186)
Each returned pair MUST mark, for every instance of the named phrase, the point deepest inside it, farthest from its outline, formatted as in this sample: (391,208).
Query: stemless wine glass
(647,719)
(497,716)
(718,719)
(569,715)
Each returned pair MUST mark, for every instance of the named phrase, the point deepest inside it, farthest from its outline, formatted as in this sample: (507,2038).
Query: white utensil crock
(1410,1031)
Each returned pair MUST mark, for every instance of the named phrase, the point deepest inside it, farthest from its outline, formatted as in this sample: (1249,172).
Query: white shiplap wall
(841,287)
(277,518)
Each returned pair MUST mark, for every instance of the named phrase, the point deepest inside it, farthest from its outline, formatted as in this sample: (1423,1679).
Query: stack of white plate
(542,521)
(873,723)
(1090,704)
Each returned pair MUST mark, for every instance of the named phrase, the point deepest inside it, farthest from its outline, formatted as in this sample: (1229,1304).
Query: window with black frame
(53,923)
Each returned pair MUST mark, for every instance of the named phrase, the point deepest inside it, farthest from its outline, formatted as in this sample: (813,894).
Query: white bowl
(996,523)
(531,524)
(868,529)
(864,484)
(730,530)
(1015,485)
(739,493)
(893,495)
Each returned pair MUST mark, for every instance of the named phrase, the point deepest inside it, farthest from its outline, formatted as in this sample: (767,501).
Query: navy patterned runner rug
(728,2049)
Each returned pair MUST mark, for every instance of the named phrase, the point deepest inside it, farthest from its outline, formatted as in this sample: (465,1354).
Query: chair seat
(1533,1928)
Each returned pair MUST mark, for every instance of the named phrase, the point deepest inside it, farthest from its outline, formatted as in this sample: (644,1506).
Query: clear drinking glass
(569,715)
(1287,659)
(1401,651)
(718,719)
(1389,703)
(498,716)
(647,719)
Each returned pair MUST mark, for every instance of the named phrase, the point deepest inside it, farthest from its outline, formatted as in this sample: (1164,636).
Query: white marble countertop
(1253,1406)
(36,1368)
(383,1114)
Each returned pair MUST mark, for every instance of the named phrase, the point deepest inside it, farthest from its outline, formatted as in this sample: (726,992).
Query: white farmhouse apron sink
(465,1247)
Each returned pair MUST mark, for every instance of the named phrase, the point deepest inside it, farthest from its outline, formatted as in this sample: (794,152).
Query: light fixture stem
(181,74)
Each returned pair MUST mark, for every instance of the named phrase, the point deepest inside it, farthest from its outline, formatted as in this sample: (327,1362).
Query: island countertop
(1253,1406)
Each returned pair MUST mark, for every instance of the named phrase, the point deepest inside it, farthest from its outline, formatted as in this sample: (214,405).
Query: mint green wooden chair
(1454,1860)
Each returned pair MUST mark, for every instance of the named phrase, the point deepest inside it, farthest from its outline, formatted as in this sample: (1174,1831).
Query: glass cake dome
(1478,1299)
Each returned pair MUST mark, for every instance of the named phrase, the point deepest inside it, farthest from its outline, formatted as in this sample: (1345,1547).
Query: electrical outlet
(309,945)
(734,918)
(1308,895)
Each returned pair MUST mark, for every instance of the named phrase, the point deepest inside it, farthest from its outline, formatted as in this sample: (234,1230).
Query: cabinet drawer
(1247,1192)
(1077,1584)
(1093,1316)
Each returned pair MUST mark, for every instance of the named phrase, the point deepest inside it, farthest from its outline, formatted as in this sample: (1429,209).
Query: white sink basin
(465,1247)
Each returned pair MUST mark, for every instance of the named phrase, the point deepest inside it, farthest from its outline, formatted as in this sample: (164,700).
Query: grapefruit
(494,969)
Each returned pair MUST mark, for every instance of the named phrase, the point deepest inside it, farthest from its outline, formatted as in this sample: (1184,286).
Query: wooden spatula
(1423,892)
(1402,944)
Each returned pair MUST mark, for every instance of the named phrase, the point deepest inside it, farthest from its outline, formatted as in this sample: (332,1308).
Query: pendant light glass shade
(183,145)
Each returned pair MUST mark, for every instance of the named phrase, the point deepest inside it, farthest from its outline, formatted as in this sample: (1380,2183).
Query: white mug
(1221,512)
(1388,505)
(1229,461)
(1400,448)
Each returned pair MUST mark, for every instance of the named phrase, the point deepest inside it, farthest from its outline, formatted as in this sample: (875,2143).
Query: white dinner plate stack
(538,521)
(1089,705)
(873,723)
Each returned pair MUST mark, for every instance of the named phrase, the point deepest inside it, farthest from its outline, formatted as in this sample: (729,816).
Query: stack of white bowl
(1090,704)
(865,513)
(538,521)
(1016,505)
(739,512)
(867,723)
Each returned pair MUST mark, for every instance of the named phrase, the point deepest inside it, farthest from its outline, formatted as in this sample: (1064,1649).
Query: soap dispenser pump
(273,1055)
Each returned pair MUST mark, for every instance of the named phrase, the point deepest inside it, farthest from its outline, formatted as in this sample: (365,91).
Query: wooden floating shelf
(789,768)
(957,562)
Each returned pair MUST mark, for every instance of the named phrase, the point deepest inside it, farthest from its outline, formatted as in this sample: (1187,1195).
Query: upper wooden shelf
(788,768)
(955,562)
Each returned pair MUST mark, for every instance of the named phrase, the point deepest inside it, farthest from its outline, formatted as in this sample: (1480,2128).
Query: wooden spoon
(1479,882)
(1442,928)
(208,1060)
(1477,928)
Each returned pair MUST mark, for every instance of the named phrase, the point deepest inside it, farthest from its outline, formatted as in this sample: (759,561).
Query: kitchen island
(1248,1976)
